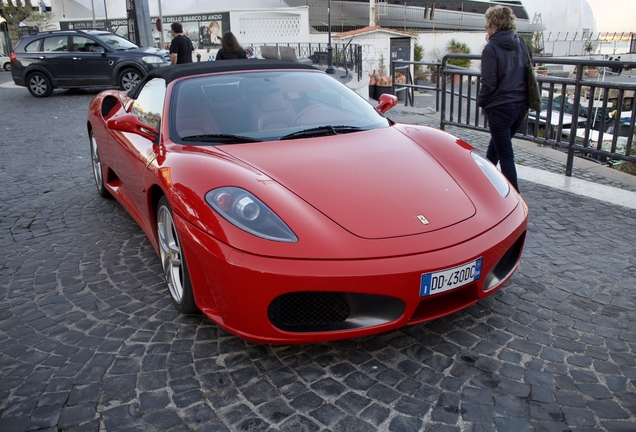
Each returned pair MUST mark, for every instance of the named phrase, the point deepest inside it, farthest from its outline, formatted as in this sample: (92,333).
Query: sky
(614,15)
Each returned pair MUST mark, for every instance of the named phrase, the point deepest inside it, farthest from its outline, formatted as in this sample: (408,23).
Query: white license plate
(445,280)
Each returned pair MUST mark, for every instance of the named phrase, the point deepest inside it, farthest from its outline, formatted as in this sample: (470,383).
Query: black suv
(81,58)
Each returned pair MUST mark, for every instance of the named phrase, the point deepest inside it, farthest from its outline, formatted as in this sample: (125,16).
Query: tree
(418,55)
(15,12)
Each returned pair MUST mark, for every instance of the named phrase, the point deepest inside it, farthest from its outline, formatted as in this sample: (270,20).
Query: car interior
(260,105)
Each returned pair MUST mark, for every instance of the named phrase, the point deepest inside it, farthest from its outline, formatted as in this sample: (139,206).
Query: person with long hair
(230,48)
(504,87)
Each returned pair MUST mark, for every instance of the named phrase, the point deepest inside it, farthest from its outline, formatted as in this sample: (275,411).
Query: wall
(435,44)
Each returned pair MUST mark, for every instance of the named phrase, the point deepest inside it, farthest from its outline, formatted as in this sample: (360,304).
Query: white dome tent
(569,25)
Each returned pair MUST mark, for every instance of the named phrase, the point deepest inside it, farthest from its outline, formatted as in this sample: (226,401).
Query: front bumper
(242,292)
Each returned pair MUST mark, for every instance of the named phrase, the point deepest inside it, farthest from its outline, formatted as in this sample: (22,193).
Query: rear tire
(173,260)
(7,67)
(128,78)
(39,85)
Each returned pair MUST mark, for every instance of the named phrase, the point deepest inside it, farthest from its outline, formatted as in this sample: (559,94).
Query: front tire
(39,85)
(7,67)
(98,172)
(129,78)
(173,260)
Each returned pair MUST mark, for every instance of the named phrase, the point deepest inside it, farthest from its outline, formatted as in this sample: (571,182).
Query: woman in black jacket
(230,48)
(504,87)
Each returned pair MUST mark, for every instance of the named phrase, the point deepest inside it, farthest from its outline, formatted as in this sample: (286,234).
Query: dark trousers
(504,121)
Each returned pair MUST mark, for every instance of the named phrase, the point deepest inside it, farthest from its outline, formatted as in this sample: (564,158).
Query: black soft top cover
(171,73)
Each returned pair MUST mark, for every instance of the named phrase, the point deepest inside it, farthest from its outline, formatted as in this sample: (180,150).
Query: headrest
(273,102)
(188,104)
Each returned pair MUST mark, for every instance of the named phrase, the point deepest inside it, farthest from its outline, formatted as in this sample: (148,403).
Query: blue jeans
(504,121)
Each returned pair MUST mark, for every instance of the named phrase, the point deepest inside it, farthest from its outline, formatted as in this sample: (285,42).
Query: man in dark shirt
(181,47)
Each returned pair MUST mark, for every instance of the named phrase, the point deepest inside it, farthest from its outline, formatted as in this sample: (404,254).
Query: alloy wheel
(130,79)
(171,253)
(38,85)
(97,165)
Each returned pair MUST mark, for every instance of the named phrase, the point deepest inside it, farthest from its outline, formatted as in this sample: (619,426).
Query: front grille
(308,311)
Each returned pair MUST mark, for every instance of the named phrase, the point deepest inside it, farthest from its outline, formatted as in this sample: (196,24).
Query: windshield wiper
(322,131)
(220,138)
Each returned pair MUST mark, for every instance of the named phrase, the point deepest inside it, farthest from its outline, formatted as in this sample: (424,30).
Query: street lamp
(93,9)
(330,69)
(161,36)
(106,16)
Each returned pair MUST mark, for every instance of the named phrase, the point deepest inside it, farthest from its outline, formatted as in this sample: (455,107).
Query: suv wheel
(39,85)
(129,78)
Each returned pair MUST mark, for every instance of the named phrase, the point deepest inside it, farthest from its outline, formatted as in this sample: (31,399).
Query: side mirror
(100,50)
(386,102)
(131,123)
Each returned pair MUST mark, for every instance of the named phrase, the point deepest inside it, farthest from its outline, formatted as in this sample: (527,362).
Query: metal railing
(345,56)
(577,43)
(582,127)
(407,89)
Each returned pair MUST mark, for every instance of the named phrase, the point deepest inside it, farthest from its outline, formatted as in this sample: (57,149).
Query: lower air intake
(319,311)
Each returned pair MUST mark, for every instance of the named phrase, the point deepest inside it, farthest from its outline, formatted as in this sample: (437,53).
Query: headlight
(248,213)
(152,59)
(494,175)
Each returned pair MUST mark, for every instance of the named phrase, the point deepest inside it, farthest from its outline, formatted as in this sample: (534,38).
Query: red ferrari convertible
(289,210)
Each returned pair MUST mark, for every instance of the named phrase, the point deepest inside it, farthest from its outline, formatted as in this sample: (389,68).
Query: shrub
(456,47)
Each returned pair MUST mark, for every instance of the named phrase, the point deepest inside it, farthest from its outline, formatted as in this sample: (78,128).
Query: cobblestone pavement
(89,340)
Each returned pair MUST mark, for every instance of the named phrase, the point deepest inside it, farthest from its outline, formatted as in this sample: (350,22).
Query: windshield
(115,42)
(255,106)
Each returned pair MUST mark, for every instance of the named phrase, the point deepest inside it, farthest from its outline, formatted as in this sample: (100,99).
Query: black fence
(586,109)
(344,56)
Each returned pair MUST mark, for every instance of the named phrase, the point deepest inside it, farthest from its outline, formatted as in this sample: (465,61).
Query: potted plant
(373,81)
(592,71)
(384,83)
(542,69)
(456,47)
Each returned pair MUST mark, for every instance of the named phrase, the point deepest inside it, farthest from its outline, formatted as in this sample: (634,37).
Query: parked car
(288,209)
(555,119)
(5,62)
(622,135)
(568,106)
(76,58)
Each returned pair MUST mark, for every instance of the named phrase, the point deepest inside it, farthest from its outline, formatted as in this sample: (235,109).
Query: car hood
(375,184)
(151,50)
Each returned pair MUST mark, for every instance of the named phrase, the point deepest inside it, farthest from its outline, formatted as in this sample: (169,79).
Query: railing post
(392,77)
(575,117)
(440,71)
(359,62)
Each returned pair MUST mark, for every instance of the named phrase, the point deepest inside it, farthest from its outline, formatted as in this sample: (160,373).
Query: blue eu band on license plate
(445,280)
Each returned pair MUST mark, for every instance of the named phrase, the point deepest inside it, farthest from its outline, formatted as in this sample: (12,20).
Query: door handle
(77,58)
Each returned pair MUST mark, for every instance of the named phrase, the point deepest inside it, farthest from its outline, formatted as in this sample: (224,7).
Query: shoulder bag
(534,93)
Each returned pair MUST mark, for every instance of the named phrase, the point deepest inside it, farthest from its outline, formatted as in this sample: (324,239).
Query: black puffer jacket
(503,71)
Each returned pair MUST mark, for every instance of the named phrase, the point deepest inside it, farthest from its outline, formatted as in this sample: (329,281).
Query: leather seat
(193,116)
(272,111)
